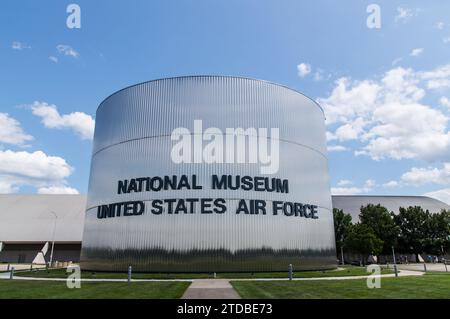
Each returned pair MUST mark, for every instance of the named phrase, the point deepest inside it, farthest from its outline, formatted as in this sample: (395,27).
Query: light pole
(342,255)
(53,237)
(395,263)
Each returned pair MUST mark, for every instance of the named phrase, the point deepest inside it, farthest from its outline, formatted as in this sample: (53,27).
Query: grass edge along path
(430,285)
(28,289)
(341,272)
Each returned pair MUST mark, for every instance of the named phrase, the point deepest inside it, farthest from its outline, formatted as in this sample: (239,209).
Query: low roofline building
(28,222)
(351,204)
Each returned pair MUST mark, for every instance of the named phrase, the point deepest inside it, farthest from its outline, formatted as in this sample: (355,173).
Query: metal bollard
(11,274)
(129,273)
(424,267)
(290,271)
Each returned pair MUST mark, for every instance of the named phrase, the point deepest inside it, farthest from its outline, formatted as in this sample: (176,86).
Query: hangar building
(27,223)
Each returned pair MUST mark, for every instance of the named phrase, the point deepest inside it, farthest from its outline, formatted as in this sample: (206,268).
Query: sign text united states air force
(176,206)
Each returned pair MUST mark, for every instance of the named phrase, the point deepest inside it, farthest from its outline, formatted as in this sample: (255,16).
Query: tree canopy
(363,240)
(342,224)
(413,224)
(380,220)
(437,238)
(412,230)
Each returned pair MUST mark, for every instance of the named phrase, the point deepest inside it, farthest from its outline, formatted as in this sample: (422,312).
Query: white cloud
(36,165)
(82,123)
(391,184)
(35,169)
(430,175)
(53,59)
(419,176)
(438,84)
(442,195)
(11,132)
(437,78)
(349,100)
(67,50)
(444,101)
(350,131)
(57,190)
(416,52)
(303,69)
(344,182)
(446,40)
(396,135)
(346,191)
(378,114)
(336,148)
(440,72)
(396,61)
(7,188)
(368,186)
(320,75)
(400,85)
(330,136)
(439,25)
(16,45)
(404,14)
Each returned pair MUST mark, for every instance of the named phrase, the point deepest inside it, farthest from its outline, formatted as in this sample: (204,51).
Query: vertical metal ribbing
(132,139)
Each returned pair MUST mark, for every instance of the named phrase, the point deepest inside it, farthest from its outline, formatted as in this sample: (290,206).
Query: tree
(438,232)
(414,229)
(362,239)
(382,223)
(342,225)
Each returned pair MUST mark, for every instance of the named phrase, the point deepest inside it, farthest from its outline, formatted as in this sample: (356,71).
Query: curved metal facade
(29,218)
(351,204)
(133,139)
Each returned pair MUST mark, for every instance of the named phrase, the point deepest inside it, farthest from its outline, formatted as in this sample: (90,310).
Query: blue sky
(386,91)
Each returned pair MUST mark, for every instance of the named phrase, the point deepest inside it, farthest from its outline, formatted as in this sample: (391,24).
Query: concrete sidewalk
(210,289)
(402,273)
(420,267)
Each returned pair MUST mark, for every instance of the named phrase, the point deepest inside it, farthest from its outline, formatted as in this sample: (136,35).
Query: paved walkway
(5,275)
(419,267)
(210,289)
(402,273)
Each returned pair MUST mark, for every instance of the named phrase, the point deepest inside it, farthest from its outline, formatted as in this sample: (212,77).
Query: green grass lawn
(427,286)
(24,289)
(431,285)
(61,273)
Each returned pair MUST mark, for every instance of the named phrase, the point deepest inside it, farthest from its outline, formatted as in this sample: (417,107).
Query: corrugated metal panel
(132,139)
(153,109)
(352,204)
